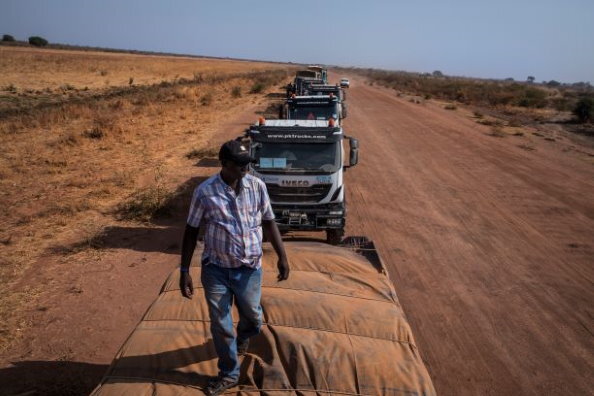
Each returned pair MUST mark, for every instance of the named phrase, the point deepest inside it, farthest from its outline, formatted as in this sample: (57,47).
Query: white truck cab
(302,164)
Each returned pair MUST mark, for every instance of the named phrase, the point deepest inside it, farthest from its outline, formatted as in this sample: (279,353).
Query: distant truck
(335,327)
(314,107)
(344,82)
(313,74)
(327,89)
(302,164)
(322,72)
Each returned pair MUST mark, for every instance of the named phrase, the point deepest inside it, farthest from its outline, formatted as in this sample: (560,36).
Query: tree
(437,73)
(7,37)
(530,79)
(584,109)
(37,41)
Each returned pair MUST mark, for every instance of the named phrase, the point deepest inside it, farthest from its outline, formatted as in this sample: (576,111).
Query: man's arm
(271,230)
(188,245)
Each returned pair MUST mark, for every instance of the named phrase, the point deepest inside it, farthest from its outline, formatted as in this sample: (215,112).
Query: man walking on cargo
(233,206)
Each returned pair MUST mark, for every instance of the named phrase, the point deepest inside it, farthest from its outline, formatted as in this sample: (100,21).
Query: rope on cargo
(291,326)
(305,290)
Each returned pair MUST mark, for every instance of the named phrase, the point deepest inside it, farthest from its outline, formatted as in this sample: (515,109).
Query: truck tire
(334,236)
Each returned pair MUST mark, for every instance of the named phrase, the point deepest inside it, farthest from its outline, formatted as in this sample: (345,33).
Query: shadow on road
(208,163)
(63,378)
(50,378)
(162,233)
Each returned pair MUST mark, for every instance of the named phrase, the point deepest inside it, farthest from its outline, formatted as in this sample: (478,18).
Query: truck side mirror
(354,151)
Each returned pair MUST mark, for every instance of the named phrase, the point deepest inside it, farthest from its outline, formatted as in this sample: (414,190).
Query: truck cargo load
(335,327)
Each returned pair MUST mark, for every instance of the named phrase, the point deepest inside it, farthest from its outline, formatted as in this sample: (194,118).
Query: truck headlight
(334,222)
(335,212)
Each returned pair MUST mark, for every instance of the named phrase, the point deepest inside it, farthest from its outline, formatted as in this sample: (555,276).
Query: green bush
(584,109)
(7,37)
(37,41)
(236,92)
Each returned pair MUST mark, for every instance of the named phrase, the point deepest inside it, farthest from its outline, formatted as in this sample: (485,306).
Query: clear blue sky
(549,39)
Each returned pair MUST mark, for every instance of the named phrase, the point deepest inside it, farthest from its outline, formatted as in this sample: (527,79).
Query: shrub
(145,205)
(206,99)
(533,97)
(236,92)
(496,131)
(584,109)
(7,37)
(258,87)
(514,123)
(450,107)
(37,41)
(93,133)
(203,152)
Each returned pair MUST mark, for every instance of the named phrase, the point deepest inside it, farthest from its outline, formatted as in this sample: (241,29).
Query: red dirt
(490,248)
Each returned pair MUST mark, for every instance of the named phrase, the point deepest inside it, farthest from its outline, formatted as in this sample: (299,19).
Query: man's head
(235,158)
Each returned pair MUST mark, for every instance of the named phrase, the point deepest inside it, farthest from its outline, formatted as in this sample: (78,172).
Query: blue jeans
(221,287)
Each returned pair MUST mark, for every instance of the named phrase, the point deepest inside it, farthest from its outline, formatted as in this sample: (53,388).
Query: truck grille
(314,193)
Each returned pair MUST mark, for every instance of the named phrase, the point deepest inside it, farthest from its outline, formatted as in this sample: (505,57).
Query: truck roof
(334,327)
(291,123)
(310,131)
(312,99)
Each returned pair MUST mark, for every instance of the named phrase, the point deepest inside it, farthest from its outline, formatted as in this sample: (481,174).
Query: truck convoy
(301,158)
(335,327)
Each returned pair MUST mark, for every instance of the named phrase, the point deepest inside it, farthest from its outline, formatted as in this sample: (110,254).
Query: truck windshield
(312,112)
(298,157)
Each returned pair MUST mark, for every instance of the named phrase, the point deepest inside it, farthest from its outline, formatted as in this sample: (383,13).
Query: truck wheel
(334,236)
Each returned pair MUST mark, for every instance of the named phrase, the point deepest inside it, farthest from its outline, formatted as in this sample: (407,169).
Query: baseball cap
(235,151)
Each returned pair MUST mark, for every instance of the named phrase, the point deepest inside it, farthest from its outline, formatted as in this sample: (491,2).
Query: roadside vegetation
(514,102)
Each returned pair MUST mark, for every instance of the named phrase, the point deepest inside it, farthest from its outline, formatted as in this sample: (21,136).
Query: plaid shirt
(233,235)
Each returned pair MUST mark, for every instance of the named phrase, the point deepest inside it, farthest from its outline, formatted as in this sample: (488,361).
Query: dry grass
(59,70)
(80,157)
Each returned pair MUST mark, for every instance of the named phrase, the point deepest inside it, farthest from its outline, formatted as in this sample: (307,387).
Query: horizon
(542,39)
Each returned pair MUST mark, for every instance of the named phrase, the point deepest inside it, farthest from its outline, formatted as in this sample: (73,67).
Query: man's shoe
(219,385)
(242,346)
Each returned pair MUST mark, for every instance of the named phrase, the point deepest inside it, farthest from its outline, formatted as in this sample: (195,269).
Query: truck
(313,74)
(302,164)
(314,107)
(335,327)
(300,83)
(327,89)
(321,71)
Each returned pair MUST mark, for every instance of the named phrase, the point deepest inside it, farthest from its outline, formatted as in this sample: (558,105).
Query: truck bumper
(309,218)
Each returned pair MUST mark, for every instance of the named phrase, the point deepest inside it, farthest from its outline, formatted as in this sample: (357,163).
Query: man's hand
(283,269)
(186,285)
(271,231)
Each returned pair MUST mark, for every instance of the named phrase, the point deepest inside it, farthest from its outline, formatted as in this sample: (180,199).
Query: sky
(547,39)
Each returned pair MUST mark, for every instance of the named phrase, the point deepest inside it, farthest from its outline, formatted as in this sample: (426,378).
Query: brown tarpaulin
(334,328)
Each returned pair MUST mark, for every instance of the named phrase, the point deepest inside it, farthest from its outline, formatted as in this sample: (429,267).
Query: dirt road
(490,247)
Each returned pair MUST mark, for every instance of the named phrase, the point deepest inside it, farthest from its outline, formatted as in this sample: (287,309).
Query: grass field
(92,138)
